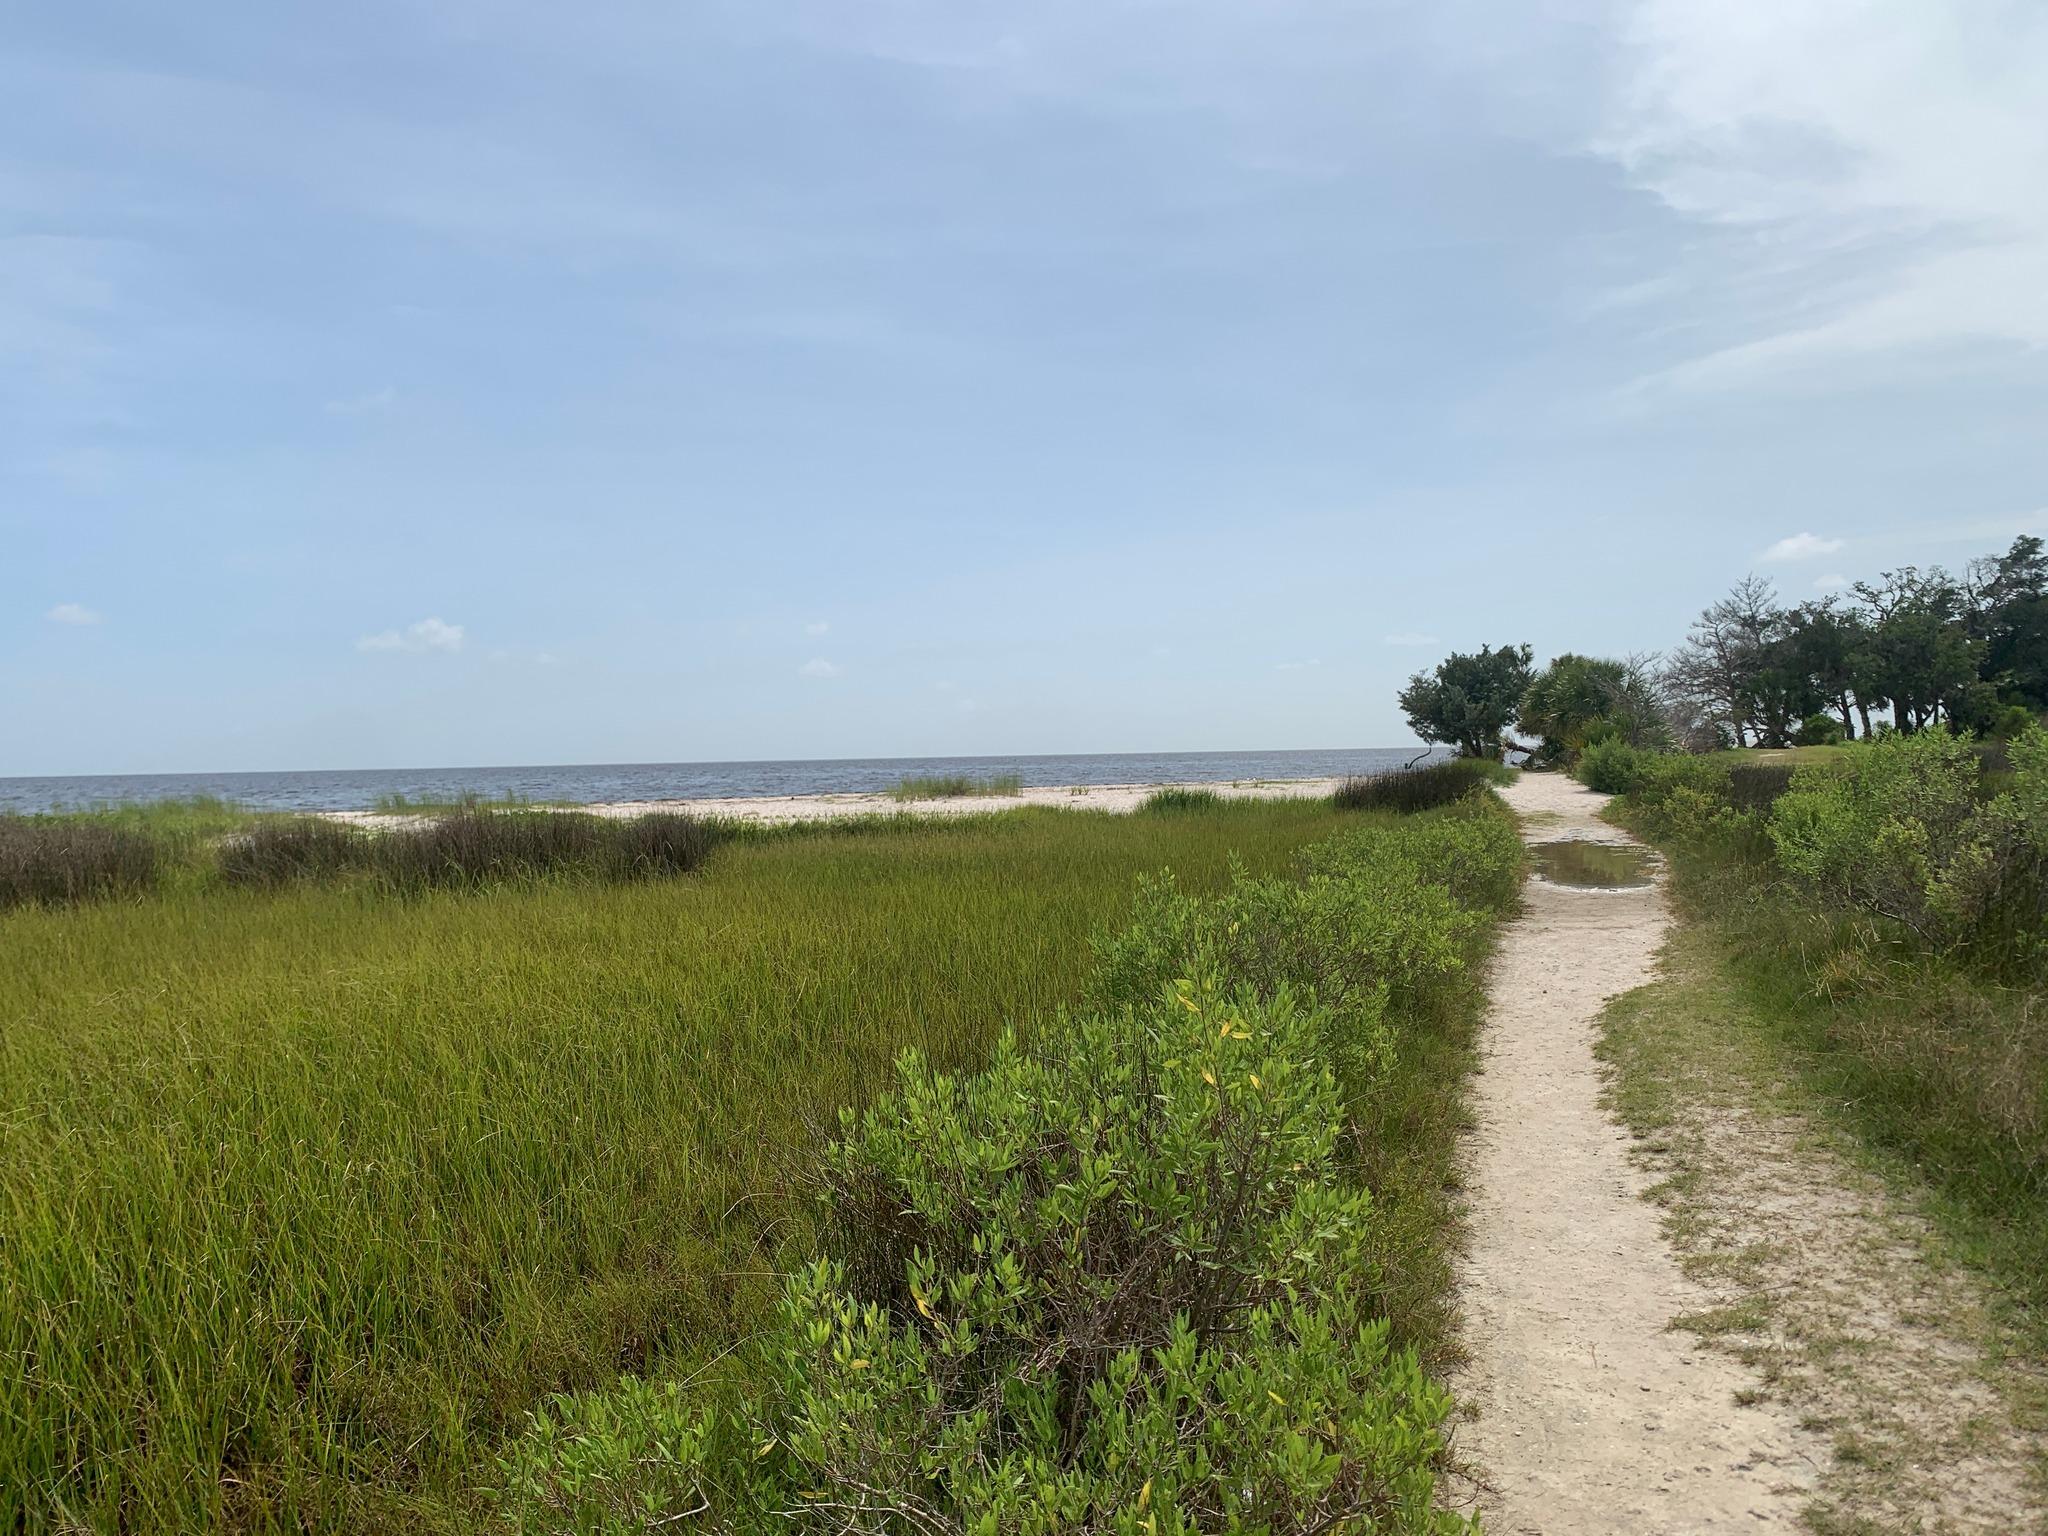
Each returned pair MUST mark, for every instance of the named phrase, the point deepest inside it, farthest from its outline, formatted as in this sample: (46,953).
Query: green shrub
(1611,766)
(1900,829)
(1818,730)
(53,859)
(1123,1280)
(1113,1283)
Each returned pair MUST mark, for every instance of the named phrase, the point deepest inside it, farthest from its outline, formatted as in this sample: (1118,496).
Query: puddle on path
(1593,866)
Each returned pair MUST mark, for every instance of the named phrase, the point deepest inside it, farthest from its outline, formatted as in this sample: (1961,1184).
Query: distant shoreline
(322,790)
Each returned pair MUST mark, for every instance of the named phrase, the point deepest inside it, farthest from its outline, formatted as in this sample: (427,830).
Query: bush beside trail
(1127,1279)
(1889,908)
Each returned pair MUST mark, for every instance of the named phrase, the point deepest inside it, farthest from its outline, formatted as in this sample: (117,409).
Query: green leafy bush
(1901,829)
(1123,1280)
(1612,766)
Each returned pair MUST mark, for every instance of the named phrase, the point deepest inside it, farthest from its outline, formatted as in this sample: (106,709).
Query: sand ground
(787,808)
(1590,1415)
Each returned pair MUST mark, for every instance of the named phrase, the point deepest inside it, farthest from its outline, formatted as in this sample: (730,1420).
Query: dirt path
(1590,1414)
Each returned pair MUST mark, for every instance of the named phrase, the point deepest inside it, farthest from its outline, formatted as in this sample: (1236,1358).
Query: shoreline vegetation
(1851,796)
(319,1181)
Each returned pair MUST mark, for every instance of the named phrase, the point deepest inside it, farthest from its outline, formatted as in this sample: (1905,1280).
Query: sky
(464,384)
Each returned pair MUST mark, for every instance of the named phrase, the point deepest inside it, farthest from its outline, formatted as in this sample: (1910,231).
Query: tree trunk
(1863,709)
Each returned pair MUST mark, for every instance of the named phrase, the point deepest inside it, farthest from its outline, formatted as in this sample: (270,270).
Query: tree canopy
(1470,700)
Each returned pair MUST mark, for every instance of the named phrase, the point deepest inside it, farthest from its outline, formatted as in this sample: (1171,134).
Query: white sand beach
(788,808)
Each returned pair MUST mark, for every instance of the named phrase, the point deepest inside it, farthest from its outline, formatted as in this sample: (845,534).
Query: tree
(2009,618)
(1470,700)
(1728,670)
(1922,660)
(1830,642)
(1577,698)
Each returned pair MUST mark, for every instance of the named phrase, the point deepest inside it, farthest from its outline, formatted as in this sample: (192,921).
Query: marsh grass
(954,786)
(401,804)
(1180,798)
(308,1192)
(1418,789)
(48,860)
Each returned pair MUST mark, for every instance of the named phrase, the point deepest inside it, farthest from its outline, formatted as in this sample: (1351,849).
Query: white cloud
(817,627)
(1872,177)
(72,613)
(376,401)
(425,635)
(818,666)
(1830,583)
(1801,546)
(1411,637)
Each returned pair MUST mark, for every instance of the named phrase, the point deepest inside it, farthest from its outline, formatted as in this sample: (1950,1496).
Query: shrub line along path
(1590,1414)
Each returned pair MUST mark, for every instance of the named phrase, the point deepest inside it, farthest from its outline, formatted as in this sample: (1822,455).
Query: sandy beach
(777,809)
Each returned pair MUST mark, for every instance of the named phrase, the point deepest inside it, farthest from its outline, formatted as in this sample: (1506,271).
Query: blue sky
(465,384)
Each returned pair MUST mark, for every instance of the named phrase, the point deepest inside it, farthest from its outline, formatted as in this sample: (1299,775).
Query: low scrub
(1887,912)
(1418,789)
(1903,830)
(48,860)
(1126,1279)
(954,786)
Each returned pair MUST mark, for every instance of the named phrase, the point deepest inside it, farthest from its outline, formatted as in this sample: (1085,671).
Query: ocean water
(596,783)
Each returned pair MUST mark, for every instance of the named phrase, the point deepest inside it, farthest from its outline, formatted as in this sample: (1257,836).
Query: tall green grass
(954,786)
(306,1194)
(1420,789)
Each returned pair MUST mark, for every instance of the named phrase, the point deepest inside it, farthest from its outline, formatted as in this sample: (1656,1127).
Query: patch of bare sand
(777,809)
(1590,1414)
(1842,1298)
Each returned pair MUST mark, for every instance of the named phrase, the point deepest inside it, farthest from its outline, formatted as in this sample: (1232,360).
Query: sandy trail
(775,809)
(1591,1416)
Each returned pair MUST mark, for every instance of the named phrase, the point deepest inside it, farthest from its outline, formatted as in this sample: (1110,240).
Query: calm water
(357,789)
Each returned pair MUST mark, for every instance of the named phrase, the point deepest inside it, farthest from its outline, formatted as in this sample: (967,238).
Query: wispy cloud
(1410,637)
(425,635)
(818,666)
(72,613)
(1801,546)
(1298,666)
(1830,582)
(1873,180)
(817,627)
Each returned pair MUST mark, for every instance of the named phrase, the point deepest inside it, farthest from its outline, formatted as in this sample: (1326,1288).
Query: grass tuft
(955,786)
(1181,798)
(1418,789)
(47,860)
